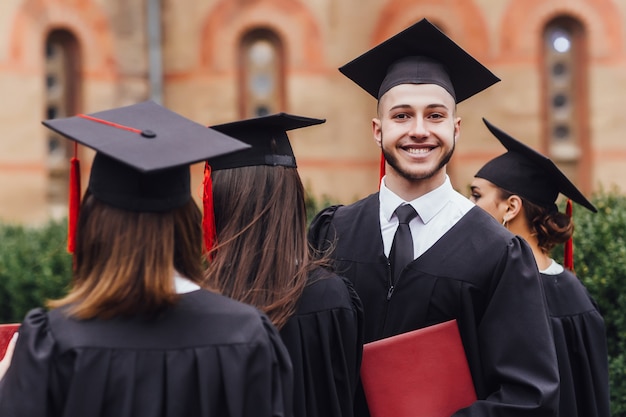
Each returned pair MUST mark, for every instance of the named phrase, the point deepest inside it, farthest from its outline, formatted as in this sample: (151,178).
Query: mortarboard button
(148,134)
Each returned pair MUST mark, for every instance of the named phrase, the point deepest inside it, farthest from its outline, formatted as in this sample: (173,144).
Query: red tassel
(568,260)
(381,169)
(74,201)
(208,219)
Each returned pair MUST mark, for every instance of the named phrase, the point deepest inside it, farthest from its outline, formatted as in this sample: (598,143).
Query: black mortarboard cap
(526,172)
(143,153)
(420,54)
(268,138)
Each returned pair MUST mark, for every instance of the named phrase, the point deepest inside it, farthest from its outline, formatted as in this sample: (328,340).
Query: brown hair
(262,256)
(125,260)
(549,225)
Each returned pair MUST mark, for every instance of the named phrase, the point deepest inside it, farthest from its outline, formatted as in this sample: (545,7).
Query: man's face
(417,130)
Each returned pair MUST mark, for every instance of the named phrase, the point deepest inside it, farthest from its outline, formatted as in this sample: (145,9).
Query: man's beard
(393,162)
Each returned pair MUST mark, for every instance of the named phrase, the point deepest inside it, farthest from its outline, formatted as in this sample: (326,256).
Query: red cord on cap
(568,261)
(208,219)
(74,200)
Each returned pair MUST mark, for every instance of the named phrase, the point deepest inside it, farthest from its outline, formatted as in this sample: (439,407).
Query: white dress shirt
(437,212)
(554,268)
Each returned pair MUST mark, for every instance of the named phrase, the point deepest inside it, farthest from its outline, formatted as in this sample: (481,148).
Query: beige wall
(338,159)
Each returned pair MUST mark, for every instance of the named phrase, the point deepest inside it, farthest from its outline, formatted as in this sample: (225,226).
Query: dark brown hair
(549,225)
(125,260)
(262,256)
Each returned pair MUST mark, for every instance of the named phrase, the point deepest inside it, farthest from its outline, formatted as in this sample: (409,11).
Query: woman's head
(546,224)
(125,260)
(520,188)
(527,173)
(137,222)
(261,256)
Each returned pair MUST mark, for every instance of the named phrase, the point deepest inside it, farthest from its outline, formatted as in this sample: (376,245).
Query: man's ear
(377,131)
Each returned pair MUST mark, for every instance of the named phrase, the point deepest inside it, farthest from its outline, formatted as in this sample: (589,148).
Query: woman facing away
(136,335)
(262,258)
(519,189)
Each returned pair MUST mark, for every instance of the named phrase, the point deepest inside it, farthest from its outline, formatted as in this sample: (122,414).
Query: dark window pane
(262,111)
(561,132)
(52,112)
(559,100)
(559,69)
(49,50)
(51,81)
(53,144)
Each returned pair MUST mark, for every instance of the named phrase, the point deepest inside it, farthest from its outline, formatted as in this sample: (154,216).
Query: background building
(562,64)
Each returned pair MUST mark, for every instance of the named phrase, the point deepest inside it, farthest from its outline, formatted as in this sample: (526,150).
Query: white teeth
(418,150)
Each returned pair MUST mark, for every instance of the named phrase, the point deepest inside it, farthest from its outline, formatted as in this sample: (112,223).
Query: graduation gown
(206,356)
(477,273)
(325,341)
(580,340)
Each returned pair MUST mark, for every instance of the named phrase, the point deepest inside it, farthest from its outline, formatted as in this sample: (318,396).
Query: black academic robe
(477,273)
(206,356)
(325,341)
(580,338)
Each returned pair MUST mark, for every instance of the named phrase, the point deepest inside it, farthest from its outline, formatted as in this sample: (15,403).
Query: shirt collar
(184,285)
(427,206)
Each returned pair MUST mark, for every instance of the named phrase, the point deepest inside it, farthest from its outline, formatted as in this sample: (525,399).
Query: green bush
(34,267)
(600,262)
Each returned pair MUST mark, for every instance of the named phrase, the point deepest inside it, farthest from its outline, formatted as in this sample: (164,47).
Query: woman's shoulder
(327,291)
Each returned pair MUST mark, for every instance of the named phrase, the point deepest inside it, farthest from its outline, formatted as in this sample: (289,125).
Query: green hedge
(600,262)
(34,266)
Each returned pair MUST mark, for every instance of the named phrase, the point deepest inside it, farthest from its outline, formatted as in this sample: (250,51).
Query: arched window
(62,82)
(565,98)
(261,74)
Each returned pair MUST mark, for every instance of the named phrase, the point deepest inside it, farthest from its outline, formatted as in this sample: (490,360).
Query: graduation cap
(526,172)
(143,153)
(420,54)
(267,137)
(269,145)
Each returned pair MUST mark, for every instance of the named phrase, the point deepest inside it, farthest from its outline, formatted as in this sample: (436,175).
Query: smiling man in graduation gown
(461,264)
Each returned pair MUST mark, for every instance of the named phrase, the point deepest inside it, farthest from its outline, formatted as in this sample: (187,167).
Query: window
(261,74)
(62,80)
(565,95)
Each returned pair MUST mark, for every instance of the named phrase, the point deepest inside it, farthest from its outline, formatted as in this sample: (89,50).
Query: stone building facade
(562,65)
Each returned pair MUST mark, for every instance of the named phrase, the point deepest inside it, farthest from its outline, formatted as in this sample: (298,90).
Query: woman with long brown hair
(520,189)
(262,258)
(137,335)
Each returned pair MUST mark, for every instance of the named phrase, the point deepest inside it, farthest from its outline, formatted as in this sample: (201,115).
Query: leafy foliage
(34,267)
(600,262)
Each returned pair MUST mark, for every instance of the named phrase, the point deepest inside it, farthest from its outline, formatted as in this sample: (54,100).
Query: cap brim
(275,122)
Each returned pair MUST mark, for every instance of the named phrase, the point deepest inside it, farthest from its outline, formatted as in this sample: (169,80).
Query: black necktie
(402,247)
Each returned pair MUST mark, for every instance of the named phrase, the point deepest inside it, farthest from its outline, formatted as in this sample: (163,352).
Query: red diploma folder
(6,333)
(422,373)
